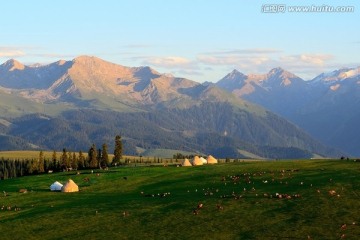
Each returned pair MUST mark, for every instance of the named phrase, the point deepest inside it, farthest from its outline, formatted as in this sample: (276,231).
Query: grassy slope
(26,154)
(163,153)
(73,216)
(21,106)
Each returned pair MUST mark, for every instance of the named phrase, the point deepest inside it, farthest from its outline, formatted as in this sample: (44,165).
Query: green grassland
(251,209)
(26,154)
(162,153)
(33,154)
(20,106)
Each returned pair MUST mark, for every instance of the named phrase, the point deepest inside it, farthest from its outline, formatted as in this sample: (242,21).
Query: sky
(197,39)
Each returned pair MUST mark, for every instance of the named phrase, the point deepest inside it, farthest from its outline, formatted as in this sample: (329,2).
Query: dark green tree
(81,160)
(64,159)
(74,161)
(118,151)
(54,160)
(41,162)
(92,157)
(69,160)
(99,157)
(104,156)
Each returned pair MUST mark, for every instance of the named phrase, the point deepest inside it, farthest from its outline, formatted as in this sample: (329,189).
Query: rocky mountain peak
(61,62)
(12,65)
(279,76)
(86,58)
(235,74)
(277,70)
(234,79)
(281,73)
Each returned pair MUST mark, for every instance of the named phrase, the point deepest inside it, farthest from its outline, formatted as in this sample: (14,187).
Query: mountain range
(326,106)
(88,100)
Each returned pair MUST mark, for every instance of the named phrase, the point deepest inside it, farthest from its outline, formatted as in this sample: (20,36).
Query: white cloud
(307,59)
(216,60)
(11,52)
(168,61)
(244,58)
(189,72)
(233,60)
(245,51)
(172,62)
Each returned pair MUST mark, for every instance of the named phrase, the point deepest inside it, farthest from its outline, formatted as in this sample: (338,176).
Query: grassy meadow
(239,202)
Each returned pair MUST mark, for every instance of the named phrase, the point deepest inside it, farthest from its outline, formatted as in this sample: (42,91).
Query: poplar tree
(41,162)
(81,160)
(64,159)
(104,156)
(74,161)
(54,160)
(92,157)
(118,151)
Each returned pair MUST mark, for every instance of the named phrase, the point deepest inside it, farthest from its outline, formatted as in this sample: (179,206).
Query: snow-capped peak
(337,75)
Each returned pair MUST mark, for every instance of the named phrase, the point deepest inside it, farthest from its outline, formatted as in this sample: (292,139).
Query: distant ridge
(73,103)
(326,107)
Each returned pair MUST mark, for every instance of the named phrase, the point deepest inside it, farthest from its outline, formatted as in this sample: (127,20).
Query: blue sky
(197,39)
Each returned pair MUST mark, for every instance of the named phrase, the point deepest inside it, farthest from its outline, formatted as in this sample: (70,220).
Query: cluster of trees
(96,158)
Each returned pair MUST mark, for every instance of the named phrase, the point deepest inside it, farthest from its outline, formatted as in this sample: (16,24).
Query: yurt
(70,186)
(56,186)
(204,161)
(186,163)
(211,160)
(197,161)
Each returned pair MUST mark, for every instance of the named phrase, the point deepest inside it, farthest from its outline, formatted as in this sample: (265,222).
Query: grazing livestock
(332,192)
(343,227)
(219,207)
(161,195)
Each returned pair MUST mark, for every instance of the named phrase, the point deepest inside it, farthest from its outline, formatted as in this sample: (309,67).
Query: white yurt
(186,163)
(70,186)
(56,186)
(197,161)
(203,160)
(211,160)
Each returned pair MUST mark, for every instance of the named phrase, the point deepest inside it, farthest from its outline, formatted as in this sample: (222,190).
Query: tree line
(96,158)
